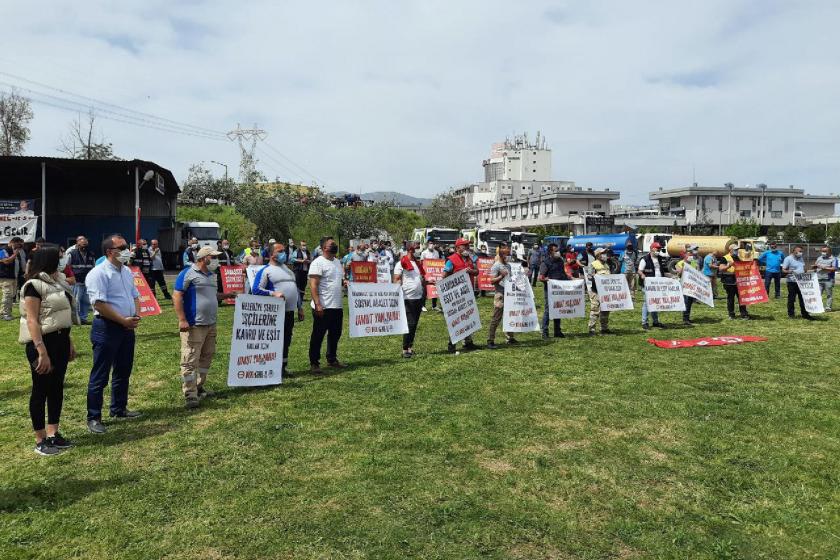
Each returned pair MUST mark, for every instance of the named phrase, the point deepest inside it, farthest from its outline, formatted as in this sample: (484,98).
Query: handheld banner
(148,303)
(811,295)
(750,285)
(251,273)
(256,344)
(363,271)
(434,272)
(233,280)
(383,272)
(22,226)
(376,309)
(697,285)
(459,309)
(520,312)
(566,299)
(484,264)
(663,294)
(613,292)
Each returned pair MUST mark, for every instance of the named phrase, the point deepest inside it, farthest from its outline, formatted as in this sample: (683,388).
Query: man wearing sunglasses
(115,302)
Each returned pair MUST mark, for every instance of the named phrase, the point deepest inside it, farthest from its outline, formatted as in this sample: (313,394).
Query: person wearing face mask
(826,266)
(792,265)
(278,280)
(64,267)
(689,258)
(9,258)
(196,302)
(553,267)
(628,267)
(157,270)
(410,274)
(430,252)
(142,259)
(726,271)
(115,302)
(301,258)
(500,274)
(651,265)
(599,265)
(460,260)
(253,254)
(188,257)
(772,261)
(47,312)
(326,283)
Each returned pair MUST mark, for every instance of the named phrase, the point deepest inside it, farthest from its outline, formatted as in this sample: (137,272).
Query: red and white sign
(233,280)
(434,272)
(363,271)
(484,264)
(750,285)
(148,304)
(708,341)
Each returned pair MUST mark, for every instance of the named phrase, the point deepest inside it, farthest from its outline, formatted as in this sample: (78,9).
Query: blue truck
(613,241)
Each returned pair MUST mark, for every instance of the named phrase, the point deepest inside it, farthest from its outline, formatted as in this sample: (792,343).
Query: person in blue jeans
(115,301)
(772,261)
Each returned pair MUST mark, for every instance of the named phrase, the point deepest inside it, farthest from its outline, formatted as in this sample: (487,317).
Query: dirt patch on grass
(496,465)
(536,552)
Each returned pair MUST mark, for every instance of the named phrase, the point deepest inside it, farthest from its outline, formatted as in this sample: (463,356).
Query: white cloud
(409,95)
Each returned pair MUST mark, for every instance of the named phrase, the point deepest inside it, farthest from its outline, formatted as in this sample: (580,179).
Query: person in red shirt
(456,262)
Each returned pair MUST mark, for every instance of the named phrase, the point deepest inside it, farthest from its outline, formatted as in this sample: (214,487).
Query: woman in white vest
(47,311)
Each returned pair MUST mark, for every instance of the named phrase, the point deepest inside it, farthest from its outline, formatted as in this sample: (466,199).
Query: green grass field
(577,448)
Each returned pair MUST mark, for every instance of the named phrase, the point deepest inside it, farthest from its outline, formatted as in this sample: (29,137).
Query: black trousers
(793,293)
(689,301)
(288,327)
(731,295)
(156,277)
(413,309)
(48,389)
(330,324)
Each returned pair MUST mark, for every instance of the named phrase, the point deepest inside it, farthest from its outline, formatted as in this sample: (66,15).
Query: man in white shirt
(115,301)
(326,283)
(409,273)
(430,253)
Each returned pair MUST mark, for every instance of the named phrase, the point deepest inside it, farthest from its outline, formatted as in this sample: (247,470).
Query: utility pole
(247,140)
(223,165)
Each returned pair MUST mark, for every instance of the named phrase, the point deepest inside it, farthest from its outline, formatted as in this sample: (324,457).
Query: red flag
(148,303)
(707,341)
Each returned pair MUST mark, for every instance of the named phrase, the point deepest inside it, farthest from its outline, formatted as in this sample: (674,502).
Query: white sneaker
(423,309)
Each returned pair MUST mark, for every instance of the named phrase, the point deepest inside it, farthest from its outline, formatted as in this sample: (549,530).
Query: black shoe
(545,335)
(451,348)
(559,334)
(645,327)
(809,317)
(127,414)
(606,331)
(191,403)
(491,345)
(512,341)
(46,449)
(747,317)
(205,394)
(470,346)
(59,442)
(96,426)
(688,323)
(659,325)
(591,332)
(406,354)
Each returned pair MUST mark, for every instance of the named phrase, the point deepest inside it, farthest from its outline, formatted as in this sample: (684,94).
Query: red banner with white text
(750,284)
(707,341)
(148,303)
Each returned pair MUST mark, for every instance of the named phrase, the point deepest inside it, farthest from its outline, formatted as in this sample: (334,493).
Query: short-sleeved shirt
(201,305)
(793,266)
(709,261)
(828,262)
(412,282)
(429,254)
(114,286)
(496,270)
(277,278)
(330,287)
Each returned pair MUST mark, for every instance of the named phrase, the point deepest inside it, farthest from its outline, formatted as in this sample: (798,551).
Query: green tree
(447,210)
(791,234)
(833,233)
(274,207)
(815,234)
(201,186)
(15,114)
(743,228)
(239,229)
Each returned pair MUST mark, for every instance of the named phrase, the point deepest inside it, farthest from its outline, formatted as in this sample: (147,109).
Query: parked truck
(438,235)
(486,240)
(616,242)
(173,241)
(521,242)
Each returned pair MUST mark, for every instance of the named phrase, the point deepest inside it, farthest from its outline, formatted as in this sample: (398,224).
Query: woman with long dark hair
(47,311)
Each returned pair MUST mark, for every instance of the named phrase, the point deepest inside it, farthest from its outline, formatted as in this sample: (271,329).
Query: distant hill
(399,199)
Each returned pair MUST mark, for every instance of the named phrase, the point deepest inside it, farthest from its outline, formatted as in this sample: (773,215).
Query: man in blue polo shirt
(772,261)
(196,302)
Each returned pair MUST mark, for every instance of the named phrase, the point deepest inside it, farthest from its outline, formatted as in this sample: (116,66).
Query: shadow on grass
(125,431)
(157,335)
(53,495)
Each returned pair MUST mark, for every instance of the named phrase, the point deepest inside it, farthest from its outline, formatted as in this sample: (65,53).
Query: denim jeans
(777,277)
(113,355)
(653,314)
(82,300)
(545,318)
(827,287)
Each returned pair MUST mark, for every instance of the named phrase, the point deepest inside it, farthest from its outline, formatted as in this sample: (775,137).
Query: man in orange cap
(458,261)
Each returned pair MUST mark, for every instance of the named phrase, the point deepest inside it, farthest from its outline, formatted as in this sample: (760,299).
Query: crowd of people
(58,289)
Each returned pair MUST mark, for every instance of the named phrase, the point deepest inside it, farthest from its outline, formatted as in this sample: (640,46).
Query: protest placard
(663,294)
(233,280)
(376,309)
(613,292)
(566,299)
(251,274)
(484,264)
(148,303)
(363,271)
(809,286)
(458,302)
(17,226)
(520,312)
(383,272)
(256,344)
(434,272)
(750,285)
(697,285)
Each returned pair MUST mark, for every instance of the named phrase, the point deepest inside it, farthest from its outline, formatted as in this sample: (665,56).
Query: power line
(286,169)
(121,108)
(278,152)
